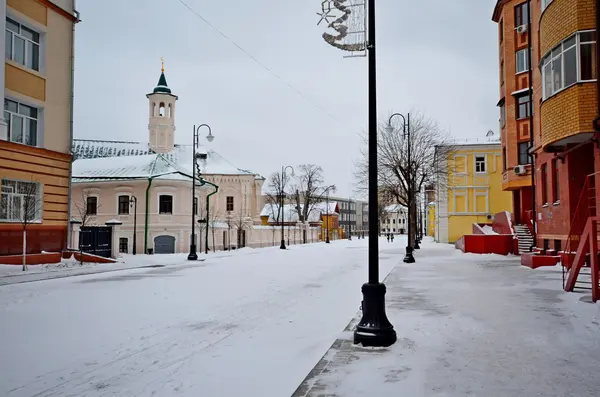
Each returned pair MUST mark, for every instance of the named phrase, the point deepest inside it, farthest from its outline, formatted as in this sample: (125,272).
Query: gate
(164,245)
(96,240)
(241,238)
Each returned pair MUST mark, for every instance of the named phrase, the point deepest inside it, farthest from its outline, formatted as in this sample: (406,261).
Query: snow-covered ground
(471,325)
(246,323)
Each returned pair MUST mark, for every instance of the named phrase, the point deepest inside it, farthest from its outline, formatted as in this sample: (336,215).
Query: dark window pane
(547,71)
(570,42)
(19,50)
(8,44)
(91,205)
(12,25)
(123,205)
(33,56)
(570,59)
(31,132)
(165,205)
(30,34)
(16,131)
(28,111)
(557,74)
(587,36)
(11,106)
(587,61)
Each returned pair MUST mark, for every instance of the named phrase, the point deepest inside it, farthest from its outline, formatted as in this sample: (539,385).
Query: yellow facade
(431,220)
(474,188)
(38,84)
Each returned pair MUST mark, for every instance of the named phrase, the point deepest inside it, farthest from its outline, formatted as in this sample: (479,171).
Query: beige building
(109,177)
(37,122)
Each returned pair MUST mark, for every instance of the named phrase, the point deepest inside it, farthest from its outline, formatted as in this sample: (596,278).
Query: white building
(394,219)
(109,175)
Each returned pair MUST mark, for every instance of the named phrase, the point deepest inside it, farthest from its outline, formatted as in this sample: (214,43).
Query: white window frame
(172,203)
(485,168)
(97,196)
(129,199)
(527,65)
(39,201)
(458,193)
(128,244)
(466,164)
(28,42)
(12,115)
(487,201)
(547,60)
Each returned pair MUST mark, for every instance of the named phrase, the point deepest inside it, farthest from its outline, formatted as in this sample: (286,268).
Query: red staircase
(580,257)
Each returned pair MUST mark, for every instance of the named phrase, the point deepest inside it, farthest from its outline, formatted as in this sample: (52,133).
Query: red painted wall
(501,244)
(555,220)
(39,238)
(501,224)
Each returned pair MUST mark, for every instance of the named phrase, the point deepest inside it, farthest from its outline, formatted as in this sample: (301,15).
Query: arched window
(153,109)
(161,110)
(169,111)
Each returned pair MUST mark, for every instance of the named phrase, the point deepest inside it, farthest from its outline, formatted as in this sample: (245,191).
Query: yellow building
(36,127)
(470,191)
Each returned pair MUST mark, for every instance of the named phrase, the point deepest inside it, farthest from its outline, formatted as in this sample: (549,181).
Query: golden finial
(162,67)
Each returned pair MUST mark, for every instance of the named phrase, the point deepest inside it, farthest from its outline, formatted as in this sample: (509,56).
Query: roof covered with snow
(102,160)
(291,213)
(394,208)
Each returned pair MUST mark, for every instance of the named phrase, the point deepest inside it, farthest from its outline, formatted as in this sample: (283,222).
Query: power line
(262,65)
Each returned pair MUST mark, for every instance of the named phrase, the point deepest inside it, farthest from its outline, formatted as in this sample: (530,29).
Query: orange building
(36,127)
(565,91)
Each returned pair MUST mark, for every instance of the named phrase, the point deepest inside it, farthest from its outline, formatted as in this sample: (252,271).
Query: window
(545,4)
(522,60)
(502,115)
(501,30)
(91,205)
(123,245)
(523,155)
(523,107)
(544,184)
(502,73)
(569,62)
(195,206)
(394,221)
(521,15)
(22,122)
(123,205)
(557,246)
(165,204)
(229,203)
(555,176)
(480,164)
(504,159)
(20,201)
(22,45)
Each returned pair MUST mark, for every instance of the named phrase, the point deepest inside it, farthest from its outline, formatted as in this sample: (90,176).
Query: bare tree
(274,211)
(394,170)
(86,211)
(213,219)
(308,191)
(22,201)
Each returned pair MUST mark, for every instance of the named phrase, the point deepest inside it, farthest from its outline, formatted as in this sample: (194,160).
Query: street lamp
(283,182)
(374,328)
(408,257)
(133,202)
(193,255)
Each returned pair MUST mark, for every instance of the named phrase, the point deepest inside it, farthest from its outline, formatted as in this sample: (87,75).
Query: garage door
(164,245)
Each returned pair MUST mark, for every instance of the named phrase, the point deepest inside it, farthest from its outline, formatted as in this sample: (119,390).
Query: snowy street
(253,323)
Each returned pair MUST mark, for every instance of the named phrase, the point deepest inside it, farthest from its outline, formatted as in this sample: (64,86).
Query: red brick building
(564,89)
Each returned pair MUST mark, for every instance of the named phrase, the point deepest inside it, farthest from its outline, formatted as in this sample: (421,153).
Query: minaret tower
(162,116)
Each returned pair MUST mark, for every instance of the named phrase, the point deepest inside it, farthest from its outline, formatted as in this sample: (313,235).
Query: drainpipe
(208,213)
(531,117)
(146,215)
(71,111)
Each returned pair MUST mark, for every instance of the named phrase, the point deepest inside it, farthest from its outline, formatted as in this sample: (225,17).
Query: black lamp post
(133,201)
(374,329)
(408,257)
(283,182)
(192,256)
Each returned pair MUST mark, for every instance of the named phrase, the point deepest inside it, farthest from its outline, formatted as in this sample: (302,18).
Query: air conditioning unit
(522,29)
(520,170)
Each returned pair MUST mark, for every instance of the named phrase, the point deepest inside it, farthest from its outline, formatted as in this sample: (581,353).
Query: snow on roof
(130,160)
(472,141)
(394,208)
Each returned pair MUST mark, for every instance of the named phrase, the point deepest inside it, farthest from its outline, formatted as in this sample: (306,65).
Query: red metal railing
(585,210)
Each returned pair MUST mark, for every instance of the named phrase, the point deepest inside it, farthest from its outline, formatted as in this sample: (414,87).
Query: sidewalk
(469,325)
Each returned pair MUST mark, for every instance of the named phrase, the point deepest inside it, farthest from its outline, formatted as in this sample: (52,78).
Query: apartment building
(563,75)
(36,127)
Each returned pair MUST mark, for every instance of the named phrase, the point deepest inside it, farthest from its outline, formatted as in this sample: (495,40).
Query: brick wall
(568,113)
(564,17)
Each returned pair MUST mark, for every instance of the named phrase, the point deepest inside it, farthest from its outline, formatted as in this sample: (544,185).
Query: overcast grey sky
(437,56)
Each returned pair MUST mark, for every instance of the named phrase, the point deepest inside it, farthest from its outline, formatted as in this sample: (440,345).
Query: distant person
(388,237)
(392,238)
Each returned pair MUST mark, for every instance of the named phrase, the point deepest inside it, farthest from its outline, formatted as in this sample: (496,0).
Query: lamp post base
(416,246)
(408,257)
(192,256)
(374,329)
(282,245)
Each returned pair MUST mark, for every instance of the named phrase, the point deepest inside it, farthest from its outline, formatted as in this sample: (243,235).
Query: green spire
(162,85)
